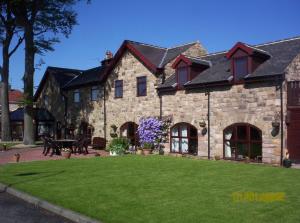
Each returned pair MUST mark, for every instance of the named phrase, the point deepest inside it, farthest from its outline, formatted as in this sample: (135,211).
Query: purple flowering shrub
(150,132)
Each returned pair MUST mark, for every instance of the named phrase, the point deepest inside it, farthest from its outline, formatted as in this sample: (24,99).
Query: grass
(159,188)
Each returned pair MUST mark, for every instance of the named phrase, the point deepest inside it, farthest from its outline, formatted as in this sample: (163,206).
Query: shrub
(118,145)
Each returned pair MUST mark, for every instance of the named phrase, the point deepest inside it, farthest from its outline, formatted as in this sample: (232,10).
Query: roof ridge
(194,42)
(277,41)
(147,44)
(257,45)
(63,68)
(163,58)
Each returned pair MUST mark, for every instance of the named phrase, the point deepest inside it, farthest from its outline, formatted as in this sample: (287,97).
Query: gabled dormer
(244,60)
(187,68)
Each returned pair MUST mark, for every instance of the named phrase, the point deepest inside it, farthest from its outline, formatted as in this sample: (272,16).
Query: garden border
(66,213)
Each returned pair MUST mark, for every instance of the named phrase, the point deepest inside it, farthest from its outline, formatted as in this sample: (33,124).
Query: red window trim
(178,125)
(247,141)
(120,81)
(141,80)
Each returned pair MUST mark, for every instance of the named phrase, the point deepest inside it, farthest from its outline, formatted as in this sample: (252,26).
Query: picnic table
(64,143)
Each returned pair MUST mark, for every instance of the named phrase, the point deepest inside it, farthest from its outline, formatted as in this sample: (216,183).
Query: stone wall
(256,104)
(130,108)
(56,105)
(91,112)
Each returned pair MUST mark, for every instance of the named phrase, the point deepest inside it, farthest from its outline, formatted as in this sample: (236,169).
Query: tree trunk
(5,121)
(29,131)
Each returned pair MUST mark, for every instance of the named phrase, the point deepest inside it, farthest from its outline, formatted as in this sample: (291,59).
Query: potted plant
(118,146)
(147,148)
(287,162)
(139,151)
(217,157)
(17,157)
(66,152)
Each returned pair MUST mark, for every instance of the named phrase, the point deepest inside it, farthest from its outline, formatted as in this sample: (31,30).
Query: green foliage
(118,145)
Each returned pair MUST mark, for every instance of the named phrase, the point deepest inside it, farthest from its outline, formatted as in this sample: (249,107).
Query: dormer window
(240,67)
(182,76)
(187,68)
(245,59)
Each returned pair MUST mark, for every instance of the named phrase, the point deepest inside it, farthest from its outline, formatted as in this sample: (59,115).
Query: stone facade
(86,111)
(257,104)
(55,103)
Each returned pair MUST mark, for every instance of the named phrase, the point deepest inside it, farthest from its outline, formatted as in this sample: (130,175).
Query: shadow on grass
(31,180)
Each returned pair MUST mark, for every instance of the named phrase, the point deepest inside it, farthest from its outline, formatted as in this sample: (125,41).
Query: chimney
(108,58)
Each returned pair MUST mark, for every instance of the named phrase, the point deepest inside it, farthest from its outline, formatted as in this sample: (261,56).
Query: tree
(42,21)
(8,28)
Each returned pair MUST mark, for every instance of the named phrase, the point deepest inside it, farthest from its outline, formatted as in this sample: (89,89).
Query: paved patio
(34,154)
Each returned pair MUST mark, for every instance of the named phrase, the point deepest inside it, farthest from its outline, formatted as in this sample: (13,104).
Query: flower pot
(287,163)
(113,153)
(217,157)
(139,152)
(146,152)
(67,155)
(17,157)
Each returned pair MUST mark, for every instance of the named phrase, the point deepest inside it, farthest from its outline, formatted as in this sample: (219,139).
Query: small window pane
(95,93)
(76,96)
(175,131)
(184,145)
(240,67)
(141,86)
(118,88)
(254,134)
(183,130)
(242,132)
(256,151)
(182,76)
(175,145)
(46,100)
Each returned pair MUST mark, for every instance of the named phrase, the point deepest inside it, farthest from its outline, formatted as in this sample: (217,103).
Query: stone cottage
(238,104)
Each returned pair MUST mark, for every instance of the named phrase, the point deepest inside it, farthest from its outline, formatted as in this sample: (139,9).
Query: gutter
(281,119)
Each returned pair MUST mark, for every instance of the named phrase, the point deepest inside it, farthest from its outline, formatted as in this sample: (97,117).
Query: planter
(67,155)
(217,157)
(146,152)
(139,152)
(17,157)
(287,163)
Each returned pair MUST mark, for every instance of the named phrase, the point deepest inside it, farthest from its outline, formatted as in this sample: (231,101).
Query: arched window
(184,139)
(243,140)
(129,130)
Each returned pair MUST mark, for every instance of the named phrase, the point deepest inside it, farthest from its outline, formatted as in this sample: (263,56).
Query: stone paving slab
(35,154)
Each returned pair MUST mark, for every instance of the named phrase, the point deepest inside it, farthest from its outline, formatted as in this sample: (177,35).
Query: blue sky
(103,25)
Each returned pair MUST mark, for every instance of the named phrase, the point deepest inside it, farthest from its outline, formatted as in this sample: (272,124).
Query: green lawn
(159,188)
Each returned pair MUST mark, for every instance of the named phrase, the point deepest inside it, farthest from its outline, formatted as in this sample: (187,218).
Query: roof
(91,76)
(281,55)
(60,74)
(41,115)
(153,57)
(15,95)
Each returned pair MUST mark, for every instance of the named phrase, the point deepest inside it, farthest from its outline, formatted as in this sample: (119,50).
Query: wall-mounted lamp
(275,125)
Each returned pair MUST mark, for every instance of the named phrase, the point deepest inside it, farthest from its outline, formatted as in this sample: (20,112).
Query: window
(240,67)
(182,76)
(141,86)
(95,93)
(242,141)
(46,100)
(118,88)
(76,96)
(184,139)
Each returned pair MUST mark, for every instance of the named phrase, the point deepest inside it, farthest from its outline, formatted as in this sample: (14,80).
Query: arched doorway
(129,130)
(184,138)
(241,141)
